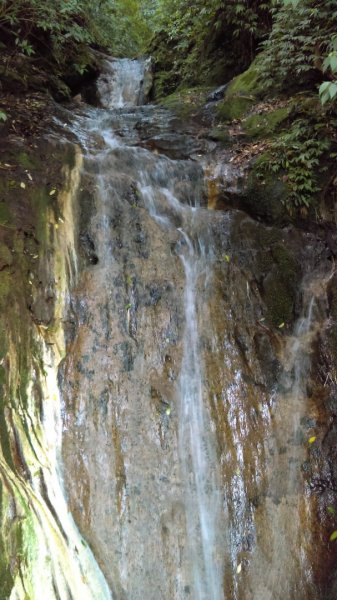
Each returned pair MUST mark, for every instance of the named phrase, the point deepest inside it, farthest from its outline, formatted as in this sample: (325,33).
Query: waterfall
(197,447)
(124,83)
(173,407)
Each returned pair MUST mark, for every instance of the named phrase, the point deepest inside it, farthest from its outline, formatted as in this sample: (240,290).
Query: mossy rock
(220,134)
(234,107)
(265,200)
(247,83)
(188,102)
(280,285)
(279,301)
(241,94)
(265,124)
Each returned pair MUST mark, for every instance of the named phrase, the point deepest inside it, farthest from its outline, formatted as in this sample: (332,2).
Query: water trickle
(197,448)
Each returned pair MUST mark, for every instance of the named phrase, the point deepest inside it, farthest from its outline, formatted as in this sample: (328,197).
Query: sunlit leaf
(312,439)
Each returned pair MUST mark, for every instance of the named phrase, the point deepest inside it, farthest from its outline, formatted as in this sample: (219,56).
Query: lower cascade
(164,435)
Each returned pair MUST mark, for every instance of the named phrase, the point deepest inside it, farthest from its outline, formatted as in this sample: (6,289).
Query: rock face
(173,373)
(186,412)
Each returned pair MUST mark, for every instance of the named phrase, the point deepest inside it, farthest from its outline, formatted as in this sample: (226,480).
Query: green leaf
(324,86)
(333,90)
(333,536)
(333,63)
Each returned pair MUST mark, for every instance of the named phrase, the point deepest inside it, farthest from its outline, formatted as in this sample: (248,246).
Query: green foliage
(328,89)
(298,49)
(219,34)
(60,31)
(295,156)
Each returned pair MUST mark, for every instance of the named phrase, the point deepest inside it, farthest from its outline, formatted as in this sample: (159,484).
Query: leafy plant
(296,157)
(226,31)
(60,31)
(295,53)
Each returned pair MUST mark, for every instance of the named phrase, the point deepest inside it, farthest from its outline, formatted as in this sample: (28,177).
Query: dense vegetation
(58,34)
(291,45)
(207,42)
(297,38)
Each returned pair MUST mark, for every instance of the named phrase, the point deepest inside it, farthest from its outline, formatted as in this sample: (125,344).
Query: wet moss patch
(241,94)
(266,123)
(187,102)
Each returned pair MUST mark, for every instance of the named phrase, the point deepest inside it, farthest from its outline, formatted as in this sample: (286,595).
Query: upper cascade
(125,82)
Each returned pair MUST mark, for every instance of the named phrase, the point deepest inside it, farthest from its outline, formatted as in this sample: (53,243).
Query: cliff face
(146,340)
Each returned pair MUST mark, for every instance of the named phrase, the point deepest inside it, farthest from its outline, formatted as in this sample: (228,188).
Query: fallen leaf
(281,325)
(312,439)
(52,192)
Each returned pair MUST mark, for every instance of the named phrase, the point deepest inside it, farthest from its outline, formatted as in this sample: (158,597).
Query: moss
(5,215)
(4,435)
(187,102)
(6,258)
(245,83)
(26,161)
(280,304)
(163,85)
(265,200)
(220,135)
(286,263)
(279,287)
(241,94)
(6,283)
(234,107)
(266,124)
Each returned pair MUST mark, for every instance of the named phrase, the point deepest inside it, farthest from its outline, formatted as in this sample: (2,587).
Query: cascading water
(197,447)
(183,407)
(124,83)
(182,473)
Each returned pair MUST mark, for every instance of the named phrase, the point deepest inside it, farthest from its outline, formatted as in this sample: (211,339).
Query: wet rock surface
(255,294)
(197,341)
